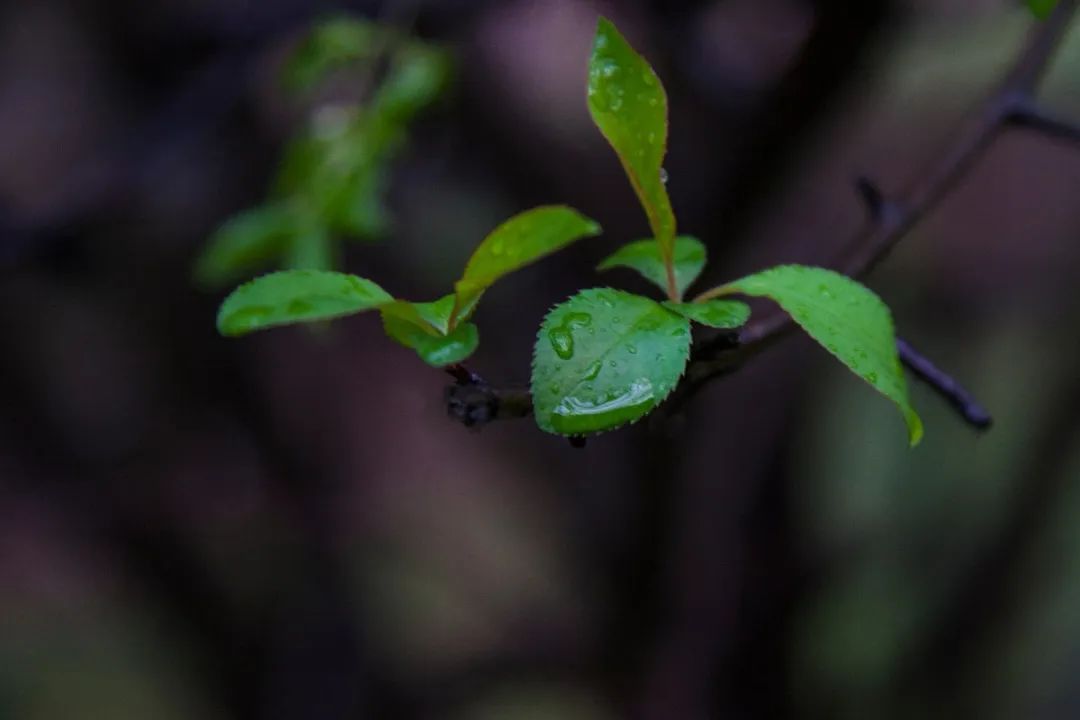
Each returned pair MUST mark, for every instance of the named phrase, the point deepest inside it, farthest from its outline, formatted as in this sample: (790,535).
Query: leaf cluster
(331,182)
(604,357)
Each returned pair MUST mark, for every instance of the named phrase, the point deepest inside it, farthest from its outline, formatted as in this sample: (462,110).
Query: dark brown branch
(474,403)
(1032,117)
(944,385)
(890,220)
(874,242)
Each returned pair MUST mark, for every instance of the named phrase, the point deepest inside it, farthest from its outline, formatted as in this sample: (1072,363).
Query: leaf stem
(714,293)
(672,284)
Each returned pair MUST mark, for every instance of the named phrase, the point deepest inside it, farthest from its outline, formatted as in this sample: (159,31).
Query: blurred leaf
(720,314)
(644,256)
(605,358)
(249,241)
(847,319)
(311,248)
(337,170)
(331,45)
(1042,8)
(521,240)
(417,77)
(629,106)
(295,296)
(333,176)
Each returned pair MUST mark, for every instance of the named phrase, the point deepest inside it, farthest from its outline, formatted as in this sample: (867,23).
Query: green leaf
(331,45)
(519,241)
(417,77)
(629,106)
(404,323)
(846,318)
(296,296)
(249,241)
(720,314)
(605,358)
(311,248)
(337,171)
(431,318)
(644,256)
(425,328)
(1042,8)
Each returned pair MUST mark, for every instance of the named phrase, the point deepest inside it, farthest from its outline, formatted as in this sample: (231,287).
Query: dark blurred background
(289,526)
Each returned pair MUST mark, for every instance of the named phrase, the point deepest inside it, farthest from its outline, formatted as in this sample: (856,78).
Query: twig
(890,220)
(1012,100)
(474,403)
(1032,117)
(943,384)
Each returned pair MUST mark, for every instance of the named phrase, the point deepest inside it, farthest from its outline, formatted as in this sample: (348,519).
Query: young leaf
(629,106)
(425,327)
(519,241)
(250,240)
(417,76)
(295,296)
(644,256)
(432,317)
(311,248)
(404,324)
(1042,8)
(845,317)
(605,358)
(720,314)
(331,44)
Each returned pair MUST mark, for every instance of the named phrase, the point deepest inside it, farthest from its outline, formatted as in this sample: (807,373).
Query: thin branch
(944,385)
(1032,117)
(874,242)
(890,220)
(474,403)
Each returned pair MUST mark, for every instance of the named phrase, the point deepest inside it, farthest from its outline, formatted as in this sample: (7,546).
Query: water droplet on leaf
(562,342)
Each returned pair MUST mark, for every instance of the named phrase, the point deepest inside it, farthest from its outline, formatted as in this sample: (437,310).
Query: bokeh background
(289,526)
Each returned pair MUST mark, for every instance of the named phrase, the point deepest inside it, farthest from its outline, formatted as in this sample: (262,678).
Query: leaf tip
(915,428)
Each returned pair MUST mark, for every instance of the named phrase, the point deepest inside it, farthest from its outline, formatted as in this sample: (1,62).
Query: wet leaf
(605,358)
(644,257)
(311,248)
(425,328)
(720,314)
(847,319)
(296,296)
(435,349)
(521,240)
(629,106)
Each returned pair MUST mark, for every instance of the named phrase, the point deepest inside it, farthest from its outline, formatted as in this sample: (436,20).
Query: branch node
(882,209)
(474,403)
(1026,114)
